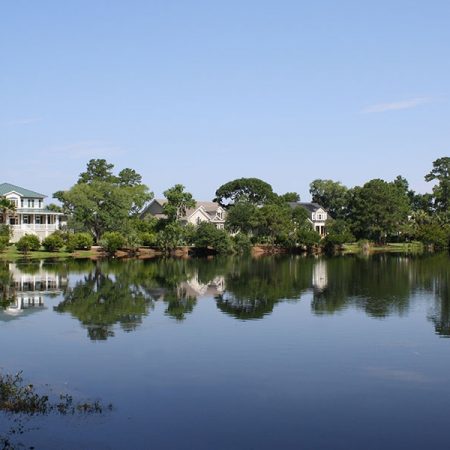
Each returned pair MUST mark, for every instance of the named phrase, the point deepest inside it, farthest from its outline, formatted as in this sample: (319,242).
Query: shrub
(433,234)
(241,243)
(79,241)
(112,241)
(27,243)
(207,235)
(307,237)
(338,234)
(4,241)
(53,243)
(148,239)
(133,240)
(5,231)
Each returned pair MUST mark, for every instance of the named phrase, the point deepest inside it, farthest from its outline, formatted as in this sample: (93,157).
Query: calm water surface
(269,353)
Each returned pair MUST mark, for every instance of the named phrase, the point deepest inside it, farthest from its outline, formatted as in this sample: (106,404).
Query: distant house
(30,215)
(317,215)
(210,212)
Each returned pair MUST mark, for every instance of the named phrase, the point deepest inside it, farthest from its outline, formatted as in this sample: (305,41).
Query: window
(21,202)
(319,216)
(26,219)
(13,201)
(38,219)
(31,203)
(40,203)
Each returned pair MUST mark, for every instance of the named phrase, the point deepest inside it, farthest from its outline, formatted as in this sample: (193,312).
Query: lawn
(11,253)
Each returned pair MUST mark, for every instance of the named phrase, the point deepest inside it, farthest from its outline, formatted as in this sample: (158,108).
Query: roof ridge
(5,188)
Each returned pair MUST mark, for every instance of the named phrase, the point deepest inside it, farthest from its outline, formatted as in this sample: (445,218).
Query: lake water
(239,353)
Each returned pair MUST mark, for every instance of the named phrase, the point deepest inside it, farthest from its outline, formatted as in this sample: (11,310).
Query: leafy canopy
(251,190)
(441,174)
(377,210)
(178,202)
(101,201)
(332,195)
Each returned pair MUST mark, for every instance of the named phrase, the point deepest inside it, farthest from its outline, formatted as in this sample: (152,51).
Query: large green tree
(243,217)
(377,210)
(441,191)
(332,195)
(252,190)
(101,201)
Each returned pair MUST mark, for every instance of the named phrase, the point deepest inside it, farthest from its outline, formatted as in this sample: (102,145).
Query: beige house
(317,215)
(210,212)
(30,215)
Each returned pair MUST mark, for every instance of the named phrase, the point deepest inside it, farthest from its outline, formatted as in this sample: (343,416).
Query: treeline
(106,208)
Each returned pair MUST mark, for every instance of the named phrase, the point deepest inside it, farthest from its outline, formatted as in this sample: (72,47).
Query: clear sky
(202,92)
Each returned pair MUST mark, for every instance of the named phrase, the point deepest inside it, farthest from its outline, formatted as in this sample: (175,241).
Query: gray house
(317,215)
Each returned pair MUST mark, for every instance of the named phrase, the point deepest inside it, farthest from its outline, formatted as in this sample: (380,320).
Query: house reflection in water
(320,275)
(196,288)
(30,284)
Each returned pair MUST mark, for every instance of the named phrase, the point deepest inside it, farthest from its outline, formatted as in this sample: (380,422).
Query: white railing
(35,227)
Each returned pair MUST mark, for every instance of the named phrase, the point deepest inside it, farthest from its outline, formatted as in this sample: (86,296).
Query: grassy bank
(11,254)
(402,247)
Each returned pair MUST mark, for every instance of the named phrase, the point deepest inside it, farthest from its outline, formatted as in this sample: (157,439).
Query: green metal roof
(5,188)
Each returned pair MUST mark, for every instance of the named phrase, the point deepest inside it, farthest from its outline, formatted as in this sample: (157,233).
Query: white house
(30,215)
(317,215)
(210,212)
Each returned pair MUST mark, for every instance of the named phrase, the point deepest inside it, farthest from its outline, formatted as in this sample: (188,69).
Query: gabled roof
(311,207)
(210,208)
(6,188)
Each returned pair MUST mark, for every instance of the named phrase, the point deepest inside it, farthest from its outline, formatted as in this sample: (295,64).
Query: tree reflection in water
(124,292)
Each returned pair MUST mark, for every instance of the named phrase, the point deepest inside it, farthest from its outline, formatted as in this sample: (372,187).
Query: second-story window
(31,203)
(21,202)
(40,203)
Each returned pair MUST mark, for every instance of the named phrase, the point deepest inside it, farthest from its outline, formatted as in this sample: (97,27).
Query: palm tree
(6,207)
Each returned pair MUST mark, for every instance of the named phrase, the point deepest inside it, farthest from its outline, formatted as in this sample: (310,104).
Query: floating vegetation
(20,400)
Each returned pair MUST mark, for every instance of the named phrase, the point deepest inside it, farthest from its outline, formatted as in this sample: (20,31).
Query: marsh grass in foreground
(19,400)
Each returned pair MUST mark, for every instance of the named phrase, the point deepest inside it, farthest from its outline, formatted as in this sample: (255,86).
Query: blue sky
(202,92)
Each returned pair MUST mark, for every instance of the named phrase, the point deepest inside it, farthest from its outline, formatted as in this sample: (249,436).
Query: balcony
(34,227)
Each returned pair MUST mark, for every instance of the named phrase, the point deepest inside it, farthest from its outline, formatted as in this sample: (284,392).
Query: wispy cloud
(24,121)
(395,106)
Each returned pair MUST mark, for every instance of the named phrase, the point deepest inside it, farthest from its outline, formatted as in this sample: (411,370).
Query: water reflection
(24,287)
(104,294)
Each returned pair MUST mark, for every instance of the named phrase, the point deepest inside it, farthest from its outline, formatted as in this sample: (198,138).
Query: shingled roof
(311,207)
(6,188)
